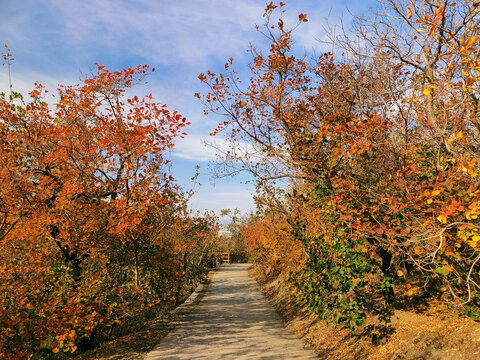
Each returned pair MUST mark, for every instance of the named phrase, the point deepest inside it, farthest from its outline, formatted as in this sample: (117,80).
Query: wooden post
(224,256)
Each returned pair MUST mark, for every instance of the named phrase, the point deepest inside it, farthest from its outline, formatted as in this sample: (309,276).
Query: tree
(435,123)
(87,208)
(379,149)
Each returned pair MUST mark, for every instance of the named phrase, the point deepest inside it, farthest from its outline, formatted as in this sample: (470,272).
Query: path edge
(185,307)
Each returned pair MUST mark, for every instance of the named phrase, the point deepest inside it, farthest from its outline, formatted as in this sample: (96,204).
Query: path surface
(233,321)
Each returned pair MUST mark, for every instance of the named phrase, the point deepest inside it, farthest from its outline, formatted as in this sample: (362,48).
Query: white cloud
(205,149)
(162,31)
(23,81)
(200,148)
(192,147)
(52,39)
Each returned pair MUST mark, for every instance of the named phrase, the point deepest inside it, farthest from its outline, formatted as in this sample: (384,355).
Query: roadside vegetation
(96,239)
(366,159)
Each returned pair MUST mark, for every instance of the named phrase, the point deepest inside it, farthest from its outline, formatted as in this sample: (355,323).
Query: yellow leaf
(469,42)
(426,92)
(435,192)
(410,292)
(400,273)
(442,219)
(473,244)
(429,201)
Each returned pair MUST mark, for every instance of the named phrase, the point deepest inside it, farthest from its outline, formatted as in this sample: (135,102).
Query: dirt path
(233,321)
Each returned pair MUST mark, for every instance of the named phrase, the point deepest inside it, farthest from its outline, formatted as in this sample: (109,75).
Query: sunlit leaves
(426,92)
(439,12)
(409,13)
(93,228)
(381,154)
(469,42)
(302,18)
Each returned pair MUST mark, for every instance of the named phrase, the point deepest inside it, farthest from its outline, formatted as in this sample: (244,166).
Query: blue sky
(56,41)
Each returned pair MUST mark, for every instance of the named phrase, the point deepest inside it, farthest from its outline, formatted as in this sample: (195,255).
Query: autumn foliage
(95,236)
(367,164)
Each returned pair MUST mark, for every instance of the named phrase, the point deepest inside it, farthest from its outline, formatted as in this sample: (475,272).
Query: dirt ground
(233,321)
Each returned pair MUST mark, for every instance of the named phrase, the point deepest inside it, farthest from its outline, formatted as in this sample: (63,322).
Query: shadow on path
(233,321)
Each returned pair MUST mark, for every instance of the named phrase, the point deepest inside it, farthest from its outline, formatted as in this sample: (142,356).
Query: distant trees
(95,236)
(367,165)
(232,239)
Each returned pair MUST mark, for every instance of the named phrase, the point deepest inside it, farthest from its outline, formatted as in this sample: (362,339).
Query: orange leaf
(440,11)
(470,81)
(409,13)
(469,42)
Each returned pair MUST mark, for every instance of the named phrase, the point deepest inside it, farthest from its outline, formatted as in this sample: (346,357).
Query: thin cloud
(160,31)
(24,81)
(235,196)
(193,147)
(53,41)
(203,149)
